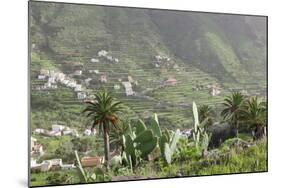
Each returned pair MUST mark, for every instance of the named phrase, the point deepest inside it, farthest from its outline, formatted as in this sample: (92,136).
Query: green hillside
(203,50)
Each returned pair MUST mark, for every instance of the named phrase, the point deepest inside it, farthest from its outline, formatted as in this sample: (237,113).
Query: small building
(67,166)
(103,78)
(77,73)
(41,77)
(102,53)
(214,90)
(109,58)
(96,71)
(39,131)
(170,82)
(92,161)
(116,60)
(57,128)
(87,81)
(81,95)
(78,88)
(93,60)
(128,88)
(71,132)
(54,133)
(52,80)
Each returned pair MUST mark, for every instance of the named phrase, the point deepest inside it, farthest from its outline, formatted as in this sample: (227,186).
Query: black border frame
(117,6)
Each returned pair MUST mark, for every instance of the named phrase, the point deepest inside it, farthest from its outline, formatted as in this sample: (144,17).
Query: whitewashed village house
(57,128)
(77,73)
(78,88)
(102,53)
(52,164)
(128,88)
(214,90)
(93,60)
(81,95)
(103,78)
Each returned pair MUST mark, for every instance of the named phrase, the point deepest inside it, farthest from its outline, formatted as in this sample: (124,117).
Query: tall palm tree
(102,112)
(255,116)
(233,110)
(207,113)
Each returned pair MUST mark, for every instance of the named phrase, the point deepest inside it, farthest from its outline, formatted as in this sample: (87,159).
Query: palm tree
(255,116)
(233,110)
(102,112)
(207,113)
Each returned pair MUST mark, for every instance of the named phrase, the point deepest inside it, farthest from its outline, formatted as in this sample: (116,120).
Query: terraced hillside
(170,58)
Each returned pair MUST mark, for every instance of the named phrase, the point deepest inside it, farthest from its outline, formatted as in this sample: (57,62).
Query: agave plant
(103,113)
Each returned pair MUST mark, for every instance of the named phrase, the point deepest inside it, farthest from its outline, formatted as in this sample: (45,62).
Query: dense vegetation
(142,136)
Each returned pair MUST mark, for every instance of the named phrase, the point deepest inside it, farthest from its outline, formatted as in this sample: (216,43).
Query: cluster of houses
(160,58)
(57,130)
(61,130)
(54,77)
(49,165)
(214,89)
(106,55)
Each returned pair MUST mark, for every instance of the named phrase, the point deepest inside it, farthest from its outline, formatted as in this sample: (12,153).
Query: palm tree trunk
(236,129)
(106,145)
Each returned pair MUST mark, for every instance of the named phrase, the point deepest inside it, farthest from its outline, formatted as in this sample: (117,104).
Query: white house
(52,80)
(116,60)
(103,78)
(93,60)
(87,81)
(39,131)
(110,58)
(96,71)
(128,88)
(67,166)
(214,90)
(71,132)
(57,128)
(81,95)
(54,133)
(41,77)
(78,73)
(102,53)
(78,88)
